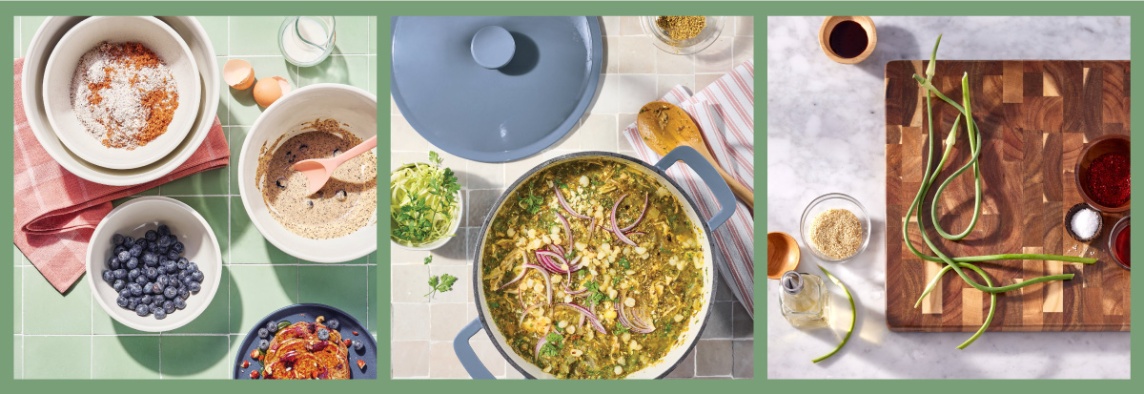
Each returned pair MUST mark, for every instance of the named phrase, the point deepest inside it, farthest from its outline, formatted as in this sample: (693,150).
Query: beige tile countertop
(635,72)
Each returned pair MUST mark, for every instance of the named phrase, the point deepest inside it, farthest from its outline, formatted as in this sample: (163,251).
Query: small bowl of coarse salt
(1083,223)
(121,92)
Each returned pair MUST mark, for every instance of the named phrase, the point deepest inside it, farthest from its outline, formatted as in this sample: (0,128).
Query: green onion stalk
(956,264)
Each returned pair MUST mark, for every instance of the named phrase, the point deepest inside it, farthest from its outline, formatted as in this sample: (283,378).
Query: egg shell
(239,74)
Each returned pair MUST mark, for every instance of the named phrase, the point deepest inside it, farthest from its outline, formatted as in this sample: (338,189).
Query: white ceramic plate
(35,65)
(354,107)
(134,218)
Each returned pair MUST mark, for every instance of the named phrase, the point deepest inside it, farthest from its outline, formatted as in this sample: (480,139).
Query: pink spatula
(318,171)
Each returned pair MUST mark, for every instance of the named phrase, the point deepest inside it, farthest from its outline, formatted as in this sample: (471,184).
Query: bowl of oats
(121,92)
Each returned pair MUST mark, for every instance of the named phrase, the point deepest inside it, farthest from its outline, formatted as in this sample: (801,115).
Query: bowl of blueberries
(155,264)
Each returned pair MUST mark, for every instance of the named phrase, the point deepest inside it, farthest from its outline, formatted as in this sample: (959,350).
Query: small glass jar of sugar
(307,40)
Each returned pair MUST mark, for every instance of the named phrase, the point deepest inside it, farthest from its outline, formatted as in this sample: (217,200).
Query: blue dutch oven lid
(495,89)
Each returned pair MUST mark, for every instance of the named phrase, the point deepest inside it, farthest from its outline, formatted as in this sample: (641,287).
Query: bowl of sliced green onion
(425,205)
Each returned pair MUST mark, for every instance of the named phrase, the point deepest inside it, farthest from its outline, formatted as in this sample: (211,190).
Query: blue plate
(440,82)
(309,312)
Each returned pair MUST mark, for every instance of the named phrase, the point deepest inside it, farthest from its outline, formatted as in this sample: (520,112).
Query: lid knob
(493,47)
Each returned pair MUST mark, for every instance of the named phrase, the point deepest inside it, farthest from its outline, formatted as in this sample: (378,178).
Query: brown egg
(238,74)
(270,89)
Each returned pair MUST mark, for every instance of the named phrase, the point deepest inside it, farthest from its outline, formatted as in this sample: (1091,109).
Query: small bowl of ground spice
(682,35)
(121,92)
(835,227)
(1103,173)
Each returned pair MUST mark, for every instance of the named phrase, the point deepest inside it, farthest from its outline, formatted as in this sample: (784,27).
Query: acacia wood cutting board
(1034,117)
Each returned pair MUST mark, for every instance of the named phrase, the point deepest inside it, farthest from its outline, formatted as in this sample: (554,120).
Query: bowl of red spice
(1103,173)
(121,92)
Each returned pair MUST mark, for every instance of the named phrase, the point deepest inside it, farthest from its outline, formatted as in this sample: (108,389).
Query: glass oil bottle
(804,300)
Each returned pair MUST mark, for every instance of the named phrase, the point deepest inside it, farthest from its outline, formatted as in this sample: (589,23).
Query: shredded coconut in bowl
(124,94)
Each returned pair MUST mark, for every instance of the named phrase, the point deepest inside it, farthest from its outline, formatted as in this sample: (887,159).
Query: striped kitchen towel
(55,211)
(724,111)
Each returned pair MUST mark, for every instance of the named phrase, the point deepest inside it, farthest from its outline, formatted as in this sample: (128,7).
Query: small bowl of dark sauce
(848,39)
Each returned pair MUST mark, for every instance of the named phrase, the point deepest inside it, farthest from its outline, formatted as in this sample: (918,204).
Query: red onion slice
(567,231)
(539,344)
(557,260)
(523,271)
(616,229)
(564,203)
(548,264)
(639,219)
(634,323)
(586,313)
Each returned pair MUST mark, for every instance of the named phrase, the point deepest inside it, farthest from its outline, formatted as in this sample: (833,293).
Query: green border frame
(383,10)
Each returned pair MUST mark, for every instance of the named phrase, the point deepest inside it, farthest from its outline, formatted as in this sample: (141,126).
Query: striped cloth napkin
(56,211)
(724,112)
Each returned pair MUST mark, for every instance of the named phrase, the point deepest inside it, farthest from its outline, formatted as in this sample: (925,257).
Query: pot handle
(467,355)
(709,176)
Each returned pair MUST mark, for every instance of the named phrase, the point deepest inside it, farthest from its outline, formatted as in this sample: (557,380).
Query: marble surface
(635,72)
(825,133)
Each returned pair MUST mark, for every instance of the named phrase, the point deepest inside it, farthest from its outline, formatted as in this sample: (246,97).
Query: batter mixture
(345,204)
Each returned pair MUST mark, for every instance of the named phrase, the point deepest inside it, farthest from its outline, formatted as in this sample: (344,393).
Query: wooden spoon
(783,254)
(318,171)
(665,126)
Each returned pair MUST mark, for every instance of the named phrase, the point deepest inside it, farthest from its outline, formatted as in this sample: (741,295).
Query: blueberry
(182,264)
(113,263)
(142,310)
(197,276)
(194,287)
(323,334)
(125,292)
(192,266)
(333,324)
(164,230)
(132,303)
(263,345)
(148,257)
(166,241)
(184,293)
(123,256)
(151,273)
(358,345)
(118,285)
(135,288)
(272,326)
(133,274)
(173,255)
(160,313)
(163,280)
(171,292)
(136,250)
(121,301)
(263,333)
(116,240)
(178,247)
(171,266)
(108,276)
(154,248)
(146,299)
(151,235)
(152,263)
(131,263)
(188,279)
(169,307)
(180,304)
(119,273)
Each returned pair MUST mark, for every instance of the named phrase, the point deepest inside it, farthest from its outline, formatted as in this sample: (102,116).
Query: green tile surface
(42,358)
(125,357)
(257,277)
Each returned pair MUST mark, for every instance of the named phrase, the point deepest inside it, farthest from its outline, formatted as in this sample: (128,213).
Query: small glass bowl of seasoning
(682,35)
(835,227)
(1103,174)
(1119,242)
(1083,223)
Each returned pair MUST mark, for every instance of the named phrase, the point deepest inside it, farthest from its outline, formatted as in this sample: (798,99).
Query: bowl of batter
(339,222)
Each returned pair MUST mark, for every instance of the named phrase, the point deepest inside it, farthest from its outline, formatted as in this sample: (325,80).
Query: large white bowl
(35,65)
(354,107)
(89,34)
(134,218)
